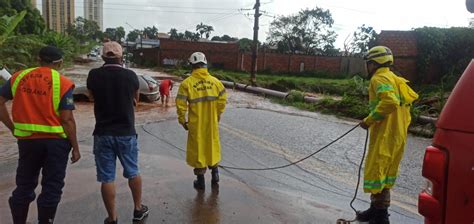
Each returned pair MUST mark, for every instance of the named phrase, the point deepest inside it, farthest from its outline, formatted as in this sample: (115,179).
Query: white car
(149,89)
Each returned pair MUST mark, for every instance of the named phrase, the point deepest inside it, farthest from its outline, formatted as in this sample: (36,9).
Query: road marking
(256,140)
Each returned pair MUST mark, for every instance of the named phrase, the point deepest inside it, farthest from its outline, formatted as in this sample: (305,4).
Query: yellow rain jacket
(205,97)
(389,119)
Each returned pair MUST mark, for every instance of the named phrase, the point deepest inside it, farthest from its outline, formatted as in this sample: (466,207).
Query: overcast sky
(226,18)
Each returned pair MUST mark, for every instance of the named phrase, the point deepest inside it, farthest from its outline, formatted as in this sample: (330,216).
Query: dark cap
(51,54)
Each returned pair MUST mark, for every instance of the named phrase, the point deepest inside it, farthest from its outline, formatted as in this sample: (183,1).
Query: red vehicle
(449,162)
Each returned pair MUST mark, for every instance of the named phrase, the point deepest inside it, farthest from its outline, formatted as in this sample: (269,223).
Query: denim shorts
(108,148)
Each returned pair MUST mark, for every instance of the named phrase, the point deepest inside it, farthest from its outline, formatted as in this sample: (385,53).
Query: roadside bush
(349,106)
(449,50)
(295,96)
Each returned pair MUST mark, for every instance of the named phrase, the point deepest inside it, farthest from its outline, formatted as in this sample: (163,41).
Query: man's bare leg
(135,185)
(108,196)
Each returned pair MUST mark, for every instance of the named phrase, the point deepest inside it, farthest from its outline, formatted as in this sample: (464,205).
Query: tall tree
(204,29)
(362,39)
(133,35)
(200,28)
(309,31)
(245,44)
(188,35)
(84,30)
(111,34)
(120,34)
(150,32)
(208,30)
(173,34)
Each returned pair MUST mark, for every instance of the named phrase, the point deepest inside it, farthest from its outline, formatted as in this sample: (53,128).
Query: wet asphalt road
(317,190)
(258,138)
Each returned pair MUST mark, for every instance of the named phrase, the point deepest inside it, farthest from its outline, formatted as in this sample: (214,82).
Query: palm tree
(207,31)
(173,34)
(201,28)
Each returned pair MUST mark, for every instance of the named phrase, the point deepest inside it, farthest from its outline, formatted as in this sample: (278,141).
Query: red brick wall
(404,48)
(217,54)
(229,57)
(330,64)
(275,62)
(290,63)
(406,66)
(402,43)
(150,54)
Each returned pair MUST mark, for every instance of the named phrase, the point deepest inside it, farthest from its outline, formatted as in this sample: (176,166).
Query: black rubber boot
(215,176)
(46,215)
(380,217)
(19,212)
(367,215)
(199,183)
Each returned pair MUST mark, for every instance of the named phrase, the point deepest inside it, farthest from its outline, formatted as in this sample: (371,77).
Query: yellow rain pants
(389,119)
(204,98)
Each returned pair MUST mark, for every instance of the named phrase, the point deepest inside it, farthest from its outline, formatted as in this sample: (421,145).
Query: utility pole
(253,78)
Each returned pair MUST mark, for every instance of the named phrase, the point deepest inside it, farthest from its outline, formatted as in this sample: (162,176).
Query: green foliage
(188,35)
(224,37)
(32,23)
(309,31)
(115,34)
(448,50)
(173,34)
(67,44)
(363,39)
(309,82)
(349,106)
(8,24)
(150,32)
(295,96)
(204,29)
(20,52)
(84,30)
(133,35)
(245,44)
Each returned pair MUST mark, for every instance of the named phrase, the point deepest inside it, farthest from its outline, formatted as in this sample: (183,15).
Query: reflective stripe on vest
(25,130)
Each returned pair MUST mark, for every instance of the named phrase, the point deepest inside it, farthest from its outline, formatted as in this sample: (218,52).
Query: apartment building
(58,14)
(93,10)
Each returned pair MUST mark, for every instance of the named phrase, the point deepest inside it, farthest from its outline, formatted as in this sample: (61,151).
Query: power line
(162,6)
(168,11)
(218,18)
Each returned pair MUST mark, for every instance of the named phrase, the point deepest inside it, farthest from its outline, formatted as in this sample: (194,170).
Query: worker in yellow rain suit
(390,99)
(205,97)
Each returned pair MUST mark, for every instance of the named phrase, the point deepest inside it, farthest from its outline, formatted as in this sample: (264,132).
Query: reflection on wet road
(206,210)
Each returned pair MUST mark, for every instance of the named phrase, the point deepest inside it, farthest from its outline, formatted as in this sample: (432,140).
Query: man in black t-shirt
(115,89)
